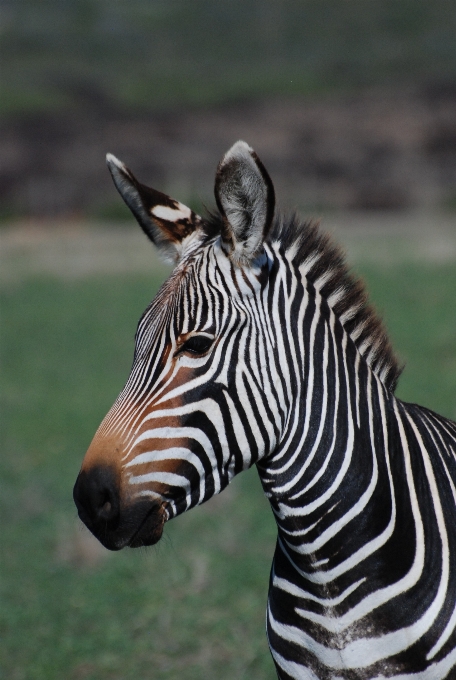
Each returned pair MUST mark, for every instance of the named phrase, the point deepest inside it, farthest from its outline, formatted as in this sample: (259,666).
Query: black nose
(96,495)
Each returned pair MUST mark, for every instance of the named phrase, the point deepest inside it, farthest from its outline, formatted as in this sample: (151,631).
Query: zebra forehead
(163,309)
(190,273)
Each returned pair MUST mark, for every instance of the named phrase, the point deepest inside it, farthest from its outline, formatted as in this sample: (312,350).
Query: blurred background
(352,108)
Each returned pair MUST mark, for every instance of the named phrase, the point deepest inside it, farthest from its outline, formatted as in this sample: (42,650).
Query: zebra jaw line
(261,349)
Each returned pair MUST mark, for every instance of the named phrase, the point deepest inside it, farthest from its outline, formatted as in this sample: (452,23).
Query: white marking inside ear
(164,212)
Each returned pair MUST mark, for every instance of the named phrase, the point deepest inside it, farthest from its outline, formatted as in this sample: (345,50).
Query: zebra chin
(115,521)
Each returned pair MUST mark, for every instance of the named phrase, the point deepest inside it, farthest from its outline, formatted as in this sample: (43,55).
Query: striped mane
(324,265)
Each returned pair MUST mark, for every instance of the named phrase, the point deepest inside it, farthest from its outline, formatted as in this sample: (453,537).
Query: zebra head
(192,413)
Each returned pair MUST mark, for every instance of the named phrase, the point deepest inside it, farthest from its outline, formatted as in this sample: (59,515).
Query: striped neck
(332,462)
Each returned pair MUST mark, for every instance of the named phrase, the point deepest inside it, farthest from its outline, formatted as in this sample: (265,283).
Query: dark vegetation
(383,151)
(150,55)
(352,104)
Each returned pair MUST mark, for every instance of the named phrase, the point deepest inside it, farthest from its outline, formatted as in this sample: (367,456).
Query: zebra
(261,348)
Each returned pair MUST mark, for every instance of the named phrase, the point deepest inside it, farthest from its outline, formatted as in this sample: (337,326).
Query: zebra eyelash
(198,344)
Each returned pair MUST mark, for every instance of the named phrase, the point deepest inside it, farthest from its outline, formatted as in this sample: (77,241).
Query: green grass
(192,607)
(418,303)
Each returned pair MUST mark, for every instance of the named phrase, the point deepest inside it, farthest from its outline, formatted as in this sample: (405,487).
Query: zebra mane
(324,265)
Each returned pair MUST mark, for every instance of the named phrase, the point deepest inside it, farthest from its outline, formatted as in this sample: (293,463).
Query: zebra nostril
(96,496)
(106,511)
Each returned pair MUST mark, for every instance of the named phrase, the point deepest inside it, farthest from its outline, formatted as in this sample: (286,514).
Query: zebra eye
(197,344)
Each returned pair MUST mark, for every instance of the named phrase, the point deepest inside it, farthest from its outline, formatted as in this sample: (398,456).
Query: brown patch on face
(108,448)
(106,472)
(132,467)
(117,511)
(104,450)
(156,444)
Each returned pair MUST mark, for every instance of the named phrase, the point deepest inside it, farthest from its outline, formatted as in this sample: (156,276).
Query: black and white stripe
(293,371)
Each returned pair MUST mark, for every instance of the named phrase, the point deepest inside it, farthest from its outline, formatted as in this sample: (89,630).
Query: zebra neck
(333,492)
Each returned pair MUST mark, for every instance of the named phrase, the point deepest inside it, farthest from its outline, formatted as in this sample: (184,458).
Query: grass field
(192,607)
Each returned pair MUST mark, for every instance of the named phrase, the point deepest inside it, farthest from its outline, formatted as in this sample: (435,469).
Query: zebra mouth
(150,529)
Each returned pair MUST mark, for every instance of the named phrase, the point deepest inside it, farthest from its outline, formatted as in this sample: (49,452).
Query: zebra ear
(245,197)
(165,221)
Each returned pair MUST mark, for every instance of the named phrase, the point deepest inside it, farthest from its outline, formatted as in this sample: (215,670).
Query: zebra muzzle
(114,523)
